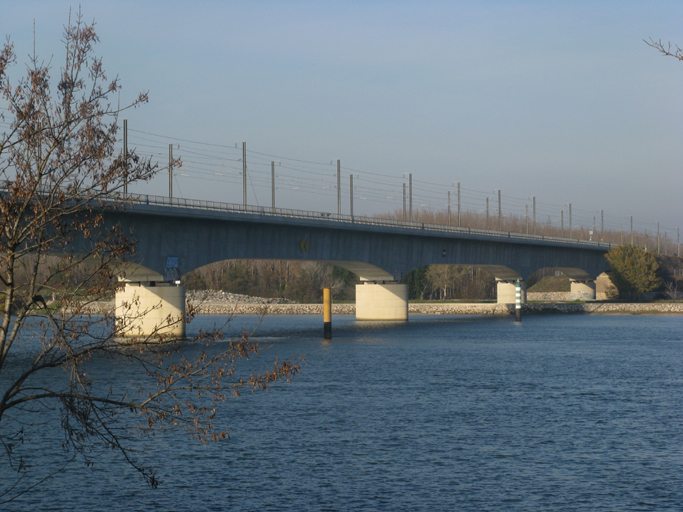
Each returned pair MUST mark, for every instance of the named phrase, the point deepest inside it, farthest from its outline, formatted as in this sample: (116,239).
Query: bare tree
(671,289)
(443,278)
(59,174)
(667,50)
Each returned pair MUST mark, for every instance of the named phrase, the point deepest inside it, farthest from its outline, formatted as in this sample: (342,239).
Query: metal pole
(125,156)
(351,192)
(410,186)
(602,225)
(170,170)
(593,226)
(500,214)
(570,220)
(534,197)
(449,207)
(487,212)
(526,217)
(244,174)
(338,187)
(631,229)
(272,181)
(562,222)
(459,223)
(678,242)
(658,248)
(404,202)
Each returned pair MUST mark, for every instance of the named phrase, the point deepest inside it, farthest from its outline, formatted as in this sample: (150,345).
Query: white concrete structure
(506,292)
(151,308)
(582,290)
(386,301)
(604,287)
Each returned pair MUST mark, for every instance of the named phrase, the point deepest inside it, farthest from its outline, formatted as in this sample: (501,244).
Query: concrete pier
(150,308)
(604,287)
(382,301)
(506,292)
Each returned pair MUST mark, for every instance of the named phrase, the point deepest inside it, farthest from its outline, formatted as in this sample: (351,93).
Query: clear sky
(558,100)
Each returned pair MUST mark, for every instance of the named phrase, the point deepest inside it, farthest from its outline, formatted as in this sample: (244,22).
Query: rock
(221,297)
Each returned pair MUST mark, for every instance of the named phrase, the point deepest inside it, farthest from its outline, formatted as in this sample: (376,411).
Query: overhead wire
(321,179)
(210,156)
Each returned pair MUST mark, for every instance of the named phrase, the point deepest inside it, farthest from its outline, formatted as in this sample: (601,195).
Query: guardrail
(351,219)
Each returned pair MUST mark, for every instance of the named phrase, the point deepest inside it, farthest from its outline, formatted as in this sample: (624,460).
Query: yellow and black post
(327,314)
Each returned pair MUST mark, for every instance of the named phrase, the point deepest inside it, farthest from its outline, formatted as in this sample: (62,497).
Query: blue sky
(558,100)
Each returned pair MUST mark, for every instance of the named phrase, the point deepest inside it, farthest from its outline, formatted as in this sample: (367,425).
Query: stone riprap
(548,296)
(451,308)
(562,296)
(219,303)
(218,296)
(608,308)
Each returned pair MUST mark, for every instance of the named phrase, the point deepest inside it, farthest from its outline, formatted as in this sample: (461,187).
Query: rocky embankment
(258,306)
(210,302)
(220,297)
(216,302)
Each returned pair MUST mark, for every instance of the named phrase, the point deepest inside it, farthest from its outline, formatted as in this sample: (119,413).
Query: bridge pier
(506,291)
(145,308)
(582,290)
(604,287)
(382,301)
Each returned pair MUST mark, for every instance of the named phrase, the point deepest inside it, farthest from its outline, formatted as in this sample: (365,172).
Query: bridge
(175,234)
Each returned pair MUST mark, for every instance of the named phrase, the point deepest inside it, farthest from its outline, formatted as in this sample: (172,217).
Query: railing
(351,219)
(310,215)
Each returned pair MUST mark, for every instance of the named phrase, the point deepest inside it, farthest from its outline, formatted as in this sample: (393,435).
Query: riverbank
(217,303)
(593,308)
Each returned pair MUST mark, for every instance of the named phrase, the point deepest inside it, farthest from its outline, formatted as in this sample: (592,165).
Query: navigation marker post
(518,302)
(327,314)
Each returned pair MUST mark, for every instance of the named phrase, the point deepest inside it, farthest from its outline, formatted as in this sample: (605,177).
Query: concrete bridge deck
(201,232)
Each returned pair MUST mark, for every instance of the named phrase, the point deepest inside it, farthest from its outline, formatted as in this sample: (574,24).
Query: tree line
(635,271)
(514,223)
(303,281)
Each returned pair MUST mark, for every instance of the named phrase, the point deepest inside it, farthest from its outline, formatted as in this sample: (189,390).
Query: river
(441,413)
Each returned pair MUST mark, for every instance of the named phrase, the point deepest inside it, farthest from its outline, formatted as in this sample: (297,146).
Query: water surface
(440,413)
